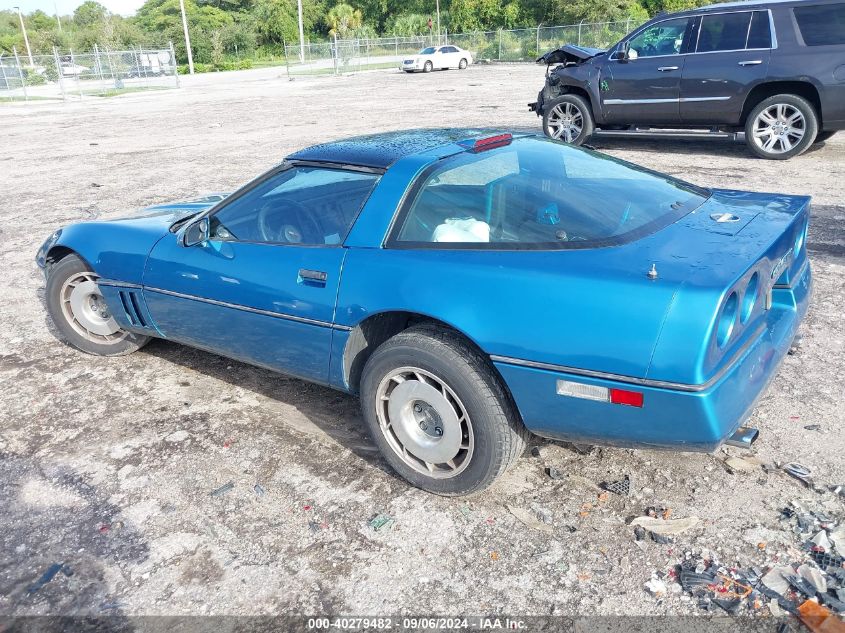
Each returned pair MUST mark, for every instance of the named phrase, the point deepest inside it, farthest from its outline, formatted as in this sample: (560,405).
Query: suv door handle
(751,62)
(666,69)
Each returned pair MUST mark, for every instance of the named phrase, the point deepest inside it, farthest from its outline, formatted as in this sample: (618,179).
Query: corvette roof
(383,149)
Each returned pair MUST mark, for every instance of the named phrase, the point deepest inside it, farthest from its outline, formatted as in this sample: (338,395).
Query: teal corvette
(471,286)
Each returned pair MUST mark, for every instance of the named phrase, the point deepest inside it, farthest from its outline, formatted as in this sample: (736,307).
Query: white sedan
(436,57)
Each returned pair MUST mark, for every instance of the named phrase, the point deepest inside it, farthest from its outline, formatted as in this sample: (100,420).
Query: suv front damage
(573,68)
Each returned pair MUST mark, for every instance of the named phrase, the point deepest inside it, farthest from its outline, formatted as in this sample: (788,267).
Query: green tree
(408,24)
(344,20)
(89,14)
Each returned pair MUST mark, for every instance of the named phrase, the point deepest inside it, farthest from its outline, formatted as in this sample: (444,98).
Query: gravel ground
(106,465)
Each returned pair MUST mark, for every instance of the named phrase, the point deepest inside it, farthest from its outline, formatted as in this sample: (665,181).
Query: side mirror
(197,233)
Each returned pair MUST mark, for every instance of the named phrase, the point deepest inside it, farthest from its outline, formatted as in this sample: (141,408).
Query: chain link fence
(516,45)
(99,73)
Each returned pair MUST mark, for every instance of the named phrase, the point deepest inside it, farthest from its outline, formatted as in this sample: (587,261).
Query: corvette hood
(569,53)
(117,249)
(170,212)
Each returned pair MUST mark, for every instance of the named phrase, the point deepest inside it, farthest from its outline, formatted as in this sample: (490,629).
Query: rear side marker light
(599,394)
(623,396)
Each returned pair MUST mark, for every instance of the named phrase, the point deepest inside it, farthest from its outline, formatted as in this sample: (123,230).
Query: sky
(66,7)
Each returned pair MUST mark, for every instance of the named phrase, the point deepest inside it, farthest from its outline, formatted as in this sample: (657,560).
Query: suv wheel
(568,118)
(781,127)
(439,413)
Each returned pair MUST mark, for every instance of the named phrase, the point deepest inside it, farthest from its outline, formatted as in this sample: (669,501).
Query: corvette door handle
(312,277)
(751,62)
(666,69)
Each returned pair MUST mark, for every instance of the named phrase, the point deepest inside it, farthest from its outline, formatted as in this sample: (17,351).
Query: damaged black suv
(773,69)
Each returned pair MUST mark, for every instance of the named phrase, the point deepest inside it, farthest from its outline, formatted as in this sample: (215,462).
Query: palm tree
(344,19)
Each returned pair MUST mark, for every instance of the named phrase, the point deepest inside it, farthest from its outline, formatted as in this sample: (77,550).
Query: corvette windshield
(538,193)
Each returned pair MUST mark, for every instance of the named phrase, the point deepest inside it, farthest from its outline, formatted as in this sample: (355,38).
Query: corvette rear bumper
(680,417)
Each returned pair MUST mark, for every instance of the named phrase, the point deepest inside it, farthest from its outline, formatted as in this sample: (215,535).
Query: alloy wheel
(85,310)
(779,128)
(424,422)
(565,122)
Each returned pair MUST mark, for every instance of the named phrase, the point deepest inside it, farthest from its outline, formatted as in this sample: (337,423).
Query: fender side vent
(134,314)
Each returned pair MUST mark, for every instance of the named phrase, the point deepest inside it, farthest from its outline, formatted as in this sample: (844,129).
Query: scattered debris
(819,619)
(542,513)
(656,587)
(666,527)
(259,490)
(820,540)
(494,555)
(742,464)
(528,518)
(621,487)
(381,521)
(46,577)
(640,533)
(555,474)
(814,577)
(813,427)
(799,472)
(222,490)
(96,184)
(782,588)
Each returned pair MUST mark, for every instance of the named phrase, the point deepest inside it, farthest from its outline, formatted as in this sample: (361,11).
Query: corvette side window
(300,205)
(537,193)
(663,38)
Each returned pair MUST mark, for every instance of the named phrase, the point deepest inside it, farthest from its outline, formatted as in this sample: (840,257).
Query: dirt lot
(106,465)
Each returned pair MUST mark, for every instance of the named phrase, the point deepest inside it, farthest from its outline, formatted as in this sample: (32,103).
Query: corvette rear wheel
(439,413)
(80,313)
(568,118)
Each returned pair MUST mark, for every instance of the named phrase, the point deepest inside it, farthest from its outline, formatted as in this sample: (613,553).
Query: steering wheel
(304,229)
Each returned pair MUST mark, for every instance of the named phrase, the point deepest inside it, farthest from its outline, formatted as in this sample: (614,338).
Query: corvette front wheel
(80,313)
(439,413)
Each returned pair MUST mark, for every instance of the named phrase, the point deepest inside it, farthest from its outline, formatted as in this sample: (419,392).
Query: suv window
(298,205)
(723,32)
(760,33)
(663,38)
(541,194)
(821,25)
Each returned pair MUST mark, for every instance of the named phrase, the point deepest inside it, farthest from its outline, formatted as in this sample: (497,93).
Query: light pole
(187,38)
(25,38)
(58,19)
(438,22)
(301,33)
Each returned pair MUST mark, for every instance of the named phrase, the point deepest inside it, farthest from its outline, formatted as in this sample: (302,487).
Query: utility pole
(301,33)
(25,38)
(187,37)
(58,19)
(438,21)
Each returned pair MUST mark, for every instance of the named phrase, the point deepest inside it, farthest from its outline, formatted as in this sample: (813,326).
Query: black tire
(61,272)
(568,118)
(788,145)
(462,64)
(499,436)
(428,67)
(822,136)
